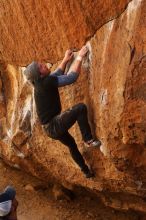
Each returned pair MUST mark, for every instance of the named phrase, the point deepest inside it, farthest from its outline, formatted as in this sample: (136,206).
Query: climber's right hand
(83,51)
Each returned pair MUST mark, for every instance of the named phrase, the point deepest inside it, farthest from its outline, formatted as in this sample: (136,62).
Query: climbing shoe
(93,143)
(89,174)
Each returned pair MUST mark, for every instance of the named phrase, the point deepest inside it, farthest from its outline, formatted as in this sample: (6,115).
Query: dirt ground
(38,203)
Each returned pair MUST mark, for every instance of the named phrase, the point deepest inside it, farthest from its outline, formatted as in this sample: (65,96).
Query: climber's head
(35,71)
(32,72)
(43,68)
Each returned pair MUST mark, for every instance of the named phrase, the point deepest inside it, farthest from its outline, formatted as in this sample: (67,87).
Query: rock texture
(32,29)
(112,84)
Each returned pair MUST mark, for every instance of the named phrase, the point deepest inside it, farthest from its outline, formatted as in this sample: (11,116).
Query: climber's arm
(61,68)
(68,79)
(73,74)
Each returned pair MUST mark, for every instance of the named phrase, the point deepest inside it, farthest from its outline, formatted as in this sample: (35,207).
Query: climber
(48,106)
(8,204)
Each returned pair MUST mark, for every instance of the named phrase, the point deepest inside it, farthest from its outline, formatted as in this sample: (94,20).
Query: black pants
(58,127)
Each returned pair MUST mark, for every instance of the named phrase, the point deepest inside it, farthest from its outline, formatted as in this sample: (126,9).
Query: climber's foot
(88,173)
(93,143)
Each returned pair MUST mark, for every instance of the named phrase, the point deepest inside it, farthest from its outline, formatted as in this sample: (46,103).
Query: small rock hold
(29,187)
(61,193)
(90,215)
(139,184)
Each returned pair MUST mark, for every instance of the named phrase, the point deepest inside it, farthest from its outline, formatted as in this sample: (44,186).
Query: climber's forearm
(62,65)
(60,69)
(68,56)
(74,71)
(76,67)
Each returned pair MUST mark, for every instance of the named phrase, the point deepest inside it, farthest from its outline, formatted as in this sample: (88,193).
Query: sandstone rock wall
(112,84)
(32,29)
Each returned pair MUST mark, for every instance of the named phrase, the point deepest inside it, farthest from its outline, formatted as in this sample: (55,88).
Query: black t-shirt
(47,98)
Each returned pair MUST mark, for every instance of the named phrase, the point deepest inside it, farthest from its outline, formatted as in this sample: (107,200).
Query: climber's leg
(79,113)
(64,121)
(69,141)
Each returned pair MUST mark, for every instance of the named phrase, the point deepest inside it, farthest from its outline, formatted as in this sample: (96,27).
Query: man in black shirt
(48,106)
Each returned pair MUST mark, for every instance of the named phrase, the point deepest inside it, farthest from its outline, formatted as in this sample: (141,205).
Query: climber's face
(44,70)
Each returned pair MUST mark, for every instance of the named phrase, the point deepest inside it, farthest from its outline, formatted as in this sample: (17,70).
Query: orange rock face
(43,30)
(112,84)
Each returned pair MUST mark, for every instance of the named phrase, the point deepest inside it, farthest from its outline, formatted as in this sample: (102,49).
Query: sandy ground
(39,204)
